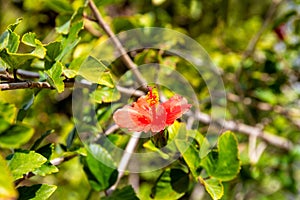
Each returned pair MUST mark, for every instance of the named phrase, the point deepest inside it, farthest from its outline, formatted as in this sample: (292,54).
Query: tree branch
(24,85)
(245,129)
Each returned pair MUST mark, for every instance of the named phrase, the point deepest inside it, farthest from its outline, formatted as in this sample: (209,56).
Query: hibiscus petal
(175,107)
(159,117)
(131,119)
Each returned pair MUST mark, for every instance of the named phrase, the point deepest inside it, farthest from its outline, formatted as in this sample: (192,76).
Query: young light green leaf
(106,79)
(149,145)
(36,192)
(55,75)
(21,163)
(7,189)
(214,187)
(126,193)
(15,136)
(172,184)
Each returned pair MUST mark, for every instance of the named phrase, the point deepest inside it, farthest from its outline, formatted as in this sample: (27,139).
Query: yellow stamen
(152,97)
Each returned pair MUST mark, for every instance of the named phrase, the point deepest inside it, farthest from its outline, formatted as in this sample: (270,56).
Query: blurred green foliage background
(255,43)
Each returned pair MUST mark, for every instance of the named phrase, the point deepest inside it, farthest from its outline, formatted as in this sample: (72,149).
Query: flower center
(152,97)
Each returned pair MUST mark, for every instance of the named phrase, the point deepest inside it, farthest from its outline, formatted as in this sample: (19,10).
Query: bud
(160,139)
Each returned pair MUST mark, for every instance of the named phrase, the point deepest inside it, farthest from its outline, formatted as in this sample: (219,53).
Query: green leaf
(106,79)
(4,125)
(106,95)
(13,26)
(15,136)
(266,95)
(55,75)
(21,163)
(9,48)
(21,60)
(74,67)
(92,70)
(202,142)
(9,39)
(226,165)
(25,107)
(71,137)
(126,193)
(64,29)
(60,6)
(149,145)
(7,189)
(172,184)
(13,42)
(7,112)
(46,169)
(46,150)
(36,192)
(53,50)
(214,187)
(99,169)
(190,155)
(30,39)
(71,29)
(39,141)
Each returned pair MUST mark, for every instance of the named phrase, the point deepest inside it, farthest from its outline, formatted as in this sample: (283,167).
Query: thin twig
(111,129)
(249,52)
(129,150)
(130,91)
(263,106)
(124,56)
(254,40)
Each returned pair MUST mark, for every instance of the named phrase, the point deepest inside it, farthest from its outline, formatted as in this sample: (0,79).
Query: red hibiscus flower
(147,114)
